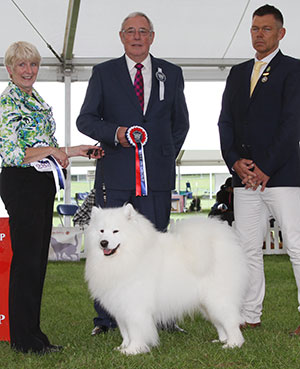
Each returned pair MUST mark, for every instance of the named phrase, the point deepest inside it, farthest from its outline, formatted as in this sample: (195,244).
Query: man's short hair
(138,14)
(269,9)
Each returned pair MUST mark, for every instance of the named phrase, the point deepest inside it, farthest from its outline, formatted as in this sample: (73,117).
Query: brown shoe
(296,332)
(250,325)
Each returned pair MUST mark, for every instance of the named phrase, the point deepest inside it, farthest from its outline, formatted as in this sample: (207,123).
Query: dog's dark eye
(102,230)
(115,231)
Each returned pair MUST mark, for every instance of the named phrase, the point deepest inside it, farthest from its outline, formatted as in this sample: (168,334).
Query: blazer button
(144,120)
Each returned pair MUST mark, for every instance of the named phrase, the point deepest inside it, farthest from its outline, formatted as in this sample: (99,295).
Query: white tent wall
(195,34)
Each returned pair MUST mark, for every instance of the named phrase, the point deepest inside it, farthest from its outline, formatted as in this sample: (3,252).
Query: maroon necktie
(139,84)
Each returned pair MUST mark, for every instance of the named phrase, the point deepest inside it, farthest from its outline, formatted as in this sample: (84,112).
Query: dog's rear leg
(226,319)
(234,336)
(231,324)
(142,334)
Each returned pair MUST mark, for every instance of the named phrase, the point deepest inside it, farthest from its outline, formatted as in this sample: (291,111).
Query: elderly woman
(31,171)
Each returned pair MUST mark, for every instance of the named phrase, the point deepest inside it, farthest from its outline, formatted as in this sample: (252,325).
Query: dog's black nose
(104,243)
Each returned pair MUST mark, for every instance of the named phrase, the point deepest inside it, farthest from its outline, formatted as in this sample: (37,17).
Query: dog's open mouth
(109,252)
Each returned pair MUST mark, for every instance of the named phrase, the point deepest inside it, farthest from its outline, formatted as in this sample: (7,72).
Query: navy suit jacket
(266,126)
(111,102)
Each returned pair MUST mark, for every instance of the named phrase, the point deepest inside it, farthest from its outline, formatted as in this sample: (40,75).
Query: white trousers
(252,211)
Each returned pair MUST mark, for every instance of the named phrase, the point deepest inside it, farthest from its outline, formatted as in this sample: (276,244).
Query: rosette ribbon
(137,137)
(161,77)
(50,164)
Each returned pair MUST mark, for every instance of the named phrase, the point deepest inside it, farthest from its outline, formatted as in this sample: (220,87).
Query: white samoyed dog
(144,277)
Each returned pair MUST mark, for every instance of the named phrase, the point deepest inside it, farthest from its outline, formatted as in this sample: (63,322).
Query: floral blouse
(25,121)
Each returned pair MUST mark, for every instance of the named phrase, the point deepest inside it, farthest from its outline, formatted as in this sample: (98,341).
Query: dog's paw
(121,347)
(227,345)
(232,345)
(218,341)
(134,350)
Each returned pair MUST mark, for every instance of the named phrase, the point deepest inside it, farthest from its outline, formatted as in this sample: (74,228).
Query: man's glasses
(131,32)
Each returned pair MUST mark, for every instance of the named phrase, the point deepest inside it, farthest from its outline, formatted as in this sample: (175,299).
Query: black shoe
(99,330)
(50,349)
(176,328)
(46,349)
(172,327)
(54,348)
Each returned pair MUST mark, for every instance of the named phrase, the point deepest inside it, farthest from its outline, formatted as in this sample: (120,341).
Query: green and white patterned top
(25,121)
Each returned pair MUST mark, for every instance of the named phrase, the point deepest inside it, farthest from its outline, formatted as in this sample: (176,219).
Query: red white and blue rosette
(50,164)
(137,137)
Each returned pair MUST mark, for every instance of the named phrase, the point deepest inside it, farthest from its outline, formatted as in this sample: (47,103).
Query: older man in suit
(136,89)
(259,129)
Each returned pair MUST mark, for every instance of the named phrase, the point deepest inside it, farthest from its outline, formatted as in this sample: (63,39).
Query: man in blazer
(259,133)
(111,106)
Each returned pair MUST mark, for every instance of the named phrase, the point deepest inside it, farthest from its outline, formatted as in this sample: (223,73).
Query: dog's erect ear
(95,210)
(129,211)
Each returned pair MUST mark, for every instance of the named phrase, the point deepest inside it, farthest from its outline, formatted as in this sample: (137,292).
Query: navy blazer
(266,126)
(111,102)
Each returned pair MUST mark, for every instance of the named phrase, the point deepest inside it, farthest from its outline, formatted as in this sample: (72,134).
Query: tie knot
(139,66)
(258,65)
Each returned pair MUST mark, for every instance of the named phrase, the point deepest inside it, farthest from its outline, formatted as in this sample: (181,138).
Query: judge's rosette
(137,137)
(50,164)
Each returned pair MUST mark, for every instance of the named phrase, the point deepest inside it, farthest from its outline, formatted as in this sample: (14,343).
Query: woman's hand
(61,157)
(91,151)
(33,154)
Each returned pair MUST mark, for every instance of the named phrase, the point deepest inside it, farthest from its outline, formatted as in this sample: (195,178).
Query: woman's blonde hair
(21,50)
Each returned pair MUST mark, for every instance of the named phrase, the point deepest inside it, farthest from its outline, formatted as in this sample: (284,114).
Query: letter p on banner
(5,260)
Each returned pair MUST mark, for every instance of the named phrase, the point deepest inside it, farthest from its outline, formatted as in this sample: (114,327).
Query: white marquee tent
(204,37)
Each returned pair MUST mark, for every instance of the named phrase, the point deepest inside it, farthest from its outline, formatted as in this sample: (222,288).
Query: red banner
(5,260)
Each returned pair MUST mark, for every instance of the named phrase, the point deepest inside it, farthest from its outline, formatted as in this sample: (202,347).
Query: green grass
(67,313)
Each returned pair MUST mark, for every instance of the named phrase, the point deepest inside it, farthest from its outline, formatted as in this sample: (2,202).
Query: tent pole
(178,179)
(67,193)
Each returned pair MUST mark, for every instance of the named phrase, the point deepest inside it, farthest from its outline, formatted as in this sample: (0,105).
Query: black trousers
(28,196)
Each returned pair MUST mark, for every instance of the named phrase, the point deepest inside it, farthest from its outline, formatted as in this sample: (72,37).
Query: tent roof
(199,158)
(196,34)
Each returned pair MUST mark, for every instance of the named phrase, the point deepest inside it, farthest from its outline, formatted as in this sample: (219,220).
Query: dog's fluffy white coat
(155,277)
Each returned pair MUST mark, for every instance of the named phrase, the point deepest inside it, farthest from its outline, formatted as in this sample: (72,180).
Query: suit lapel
(244,84)
(267,73)
(125,82)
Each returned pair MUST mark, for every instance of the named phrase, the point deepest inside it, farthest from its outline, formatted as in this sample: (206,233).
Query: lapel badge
(264,79)
(160,76)
(268,69)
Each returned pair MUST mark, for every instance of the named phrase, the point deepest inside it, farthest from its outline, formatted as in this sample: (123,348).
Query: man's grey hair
(138,14)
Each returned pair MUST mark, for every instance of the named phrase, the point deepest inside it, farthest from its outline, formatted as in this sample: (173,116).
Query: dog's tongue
(107,251)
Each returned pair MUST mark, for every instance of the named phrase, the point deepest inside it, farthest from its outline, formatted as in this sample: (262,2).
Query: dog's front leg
(124,334)
(142,334)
